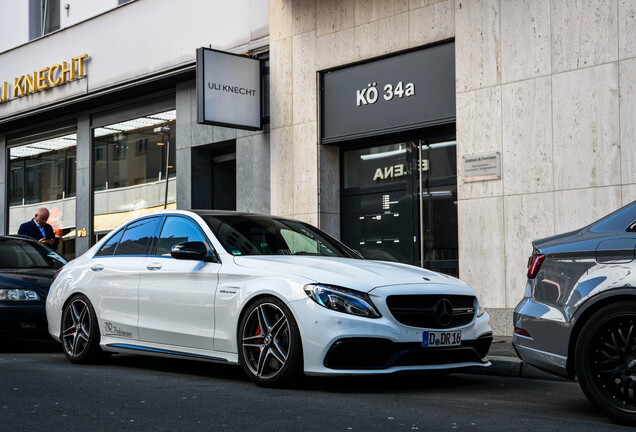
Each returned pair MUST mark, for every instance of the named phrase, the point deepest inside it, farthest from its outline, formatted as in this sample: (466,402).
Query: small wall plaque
(482,166)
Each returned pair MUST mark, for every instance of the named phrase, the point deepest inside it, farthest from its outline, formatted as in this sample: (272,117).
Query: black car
(578,316)
(27,270)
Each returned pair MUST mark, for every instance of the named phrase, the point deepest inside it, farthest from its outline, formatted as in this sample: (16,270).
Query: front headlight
(342,300)
(480,311)
(18,295)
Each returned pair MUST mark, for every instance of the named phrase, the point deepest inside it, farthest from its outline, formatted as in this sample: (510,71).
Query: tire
(605,361)
(270,349)
(80,332)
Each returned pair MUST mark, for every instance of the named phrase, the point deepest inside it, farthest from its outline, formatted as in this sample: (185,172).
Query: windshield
(15,253)
(260,235)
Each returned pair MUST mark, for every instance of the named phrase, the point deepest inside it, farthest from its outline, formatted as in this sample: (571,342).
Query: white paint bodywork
(193,308)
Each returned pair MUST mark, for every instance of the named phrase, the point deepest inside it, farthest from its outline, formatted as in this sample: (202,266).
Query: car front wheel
(270,349)
(605,360)
(80,332)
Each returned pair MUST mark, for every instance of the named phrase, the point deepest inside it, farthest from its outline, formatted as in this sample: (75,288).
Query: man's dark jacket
(31,229)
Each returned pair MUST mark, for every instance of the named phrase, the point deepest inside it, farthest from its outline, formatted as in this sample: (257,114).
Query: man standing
(39,229)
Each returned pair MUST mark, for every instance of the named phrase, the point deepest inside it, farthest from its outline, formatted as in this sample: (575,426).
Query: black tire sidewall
(92,352)
(293,366)
(582,359)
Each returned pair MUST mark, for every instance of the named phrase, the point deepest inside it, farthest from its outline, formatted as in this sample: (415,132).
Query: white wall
(14,18)
(14,23)
(81,10)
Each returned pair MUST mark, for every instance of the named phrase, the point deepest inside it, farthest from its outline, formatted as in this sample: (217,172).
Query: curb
(514,368)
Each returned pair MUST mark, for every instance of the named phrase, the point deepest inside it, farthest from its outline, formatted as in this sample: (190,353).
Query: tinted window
(178,230)
(137,237)
(258,235)
(23,254)
(110,246)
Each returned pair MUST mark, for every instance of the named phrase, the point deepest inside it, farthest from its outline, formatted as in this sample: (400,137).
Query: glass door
(437,203)
(376,202)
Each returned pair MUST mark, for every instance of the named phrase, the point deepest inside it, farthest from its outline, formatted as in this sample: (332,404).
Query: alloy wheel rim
(76,328)
(265,341)
(613,362)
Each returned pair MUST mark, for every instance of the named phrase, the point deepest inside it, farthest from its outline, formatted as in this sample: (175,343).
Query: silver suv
(578,315)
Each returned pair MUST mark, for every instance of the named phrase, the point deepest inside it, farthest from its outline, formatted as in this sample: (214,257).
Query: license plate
(441,339)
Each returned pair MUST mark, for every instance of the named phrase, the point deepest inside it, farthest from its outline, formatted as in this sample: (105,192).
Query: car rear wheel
(270,349)
(605,361)
(80,332)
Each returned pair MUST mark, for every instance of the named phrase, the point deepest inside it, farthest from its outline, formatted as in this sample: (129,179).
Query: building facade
(547,88)
(445,134)
(98,118)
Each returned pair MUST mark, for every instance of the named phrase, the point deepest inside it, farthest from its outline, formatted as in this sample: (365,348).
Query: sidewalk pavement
(505,362)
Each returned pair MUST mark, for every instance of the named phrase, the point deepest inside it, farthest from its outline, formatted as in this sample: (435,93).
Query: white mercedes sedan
(277,296)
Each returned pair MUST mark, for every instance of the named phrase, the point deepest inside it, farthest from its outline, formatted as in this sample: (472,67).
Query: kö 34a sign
(45,78)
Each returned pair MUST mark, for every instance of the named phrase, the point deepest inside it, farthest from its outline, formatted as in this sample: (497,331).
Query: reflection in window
(109,247)
(131,159)
(136,239)
(43,174)
(177,230)
(375,166)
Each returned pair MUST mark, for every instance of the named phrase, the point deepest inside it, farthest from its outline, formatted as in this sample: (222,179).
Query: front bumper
(336,343)
(547,346)
(379,354)
(18,318)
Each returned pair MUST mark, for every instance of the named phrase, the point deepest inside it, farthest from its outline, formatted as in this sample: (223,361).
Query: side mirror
(196,251)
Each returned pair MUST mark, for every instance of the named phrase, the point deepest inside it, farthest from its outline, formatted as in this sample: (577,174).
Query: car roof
(227,213)
(17,237)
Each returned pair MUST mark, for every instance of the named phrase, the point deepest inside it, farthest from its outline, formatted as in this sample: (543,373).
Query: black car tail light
(57,273)
(534,264)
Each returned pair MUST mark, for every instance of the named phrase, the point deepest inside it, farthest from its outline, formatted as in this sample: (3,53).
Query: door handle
(153,266)
(97,267)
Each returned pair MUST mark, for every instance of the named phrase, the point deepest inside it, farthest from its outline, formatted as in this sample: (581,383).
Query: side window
(178,230)
(137,237)
(109,247)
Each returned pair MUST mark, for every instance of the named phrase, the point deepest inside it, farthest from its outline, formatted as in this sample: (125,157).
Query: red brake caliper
(258,331)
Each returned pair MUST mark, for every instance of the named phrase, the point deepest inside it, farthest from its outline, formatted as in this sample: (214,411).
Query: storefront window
(42,174)
(134,169)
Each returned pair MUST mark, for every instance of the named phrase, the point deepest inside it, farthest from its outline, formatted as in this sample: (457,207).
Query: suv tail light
(534,264)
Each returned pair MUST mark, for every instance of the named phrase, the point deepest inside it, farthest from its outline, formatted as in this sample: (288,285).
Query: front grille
(424,310)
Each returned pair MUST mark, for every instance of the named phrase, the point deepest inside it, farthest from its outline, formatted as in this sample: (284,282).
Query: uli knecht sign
(228,90)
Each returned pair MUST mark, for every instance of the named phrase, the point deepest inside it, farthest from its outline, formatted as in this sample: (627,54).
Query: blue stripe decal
(162,351)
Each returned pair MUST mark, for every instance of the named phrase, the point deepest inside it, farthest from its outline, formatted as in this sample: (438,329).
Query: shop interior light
(439,145)
(165,116)
(52,144)
(67,141)
(381,155)
(138,123)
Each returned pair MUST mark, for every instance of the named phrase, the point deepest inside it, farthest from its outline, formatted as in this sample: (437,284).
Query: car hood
(361,275)
(38,279)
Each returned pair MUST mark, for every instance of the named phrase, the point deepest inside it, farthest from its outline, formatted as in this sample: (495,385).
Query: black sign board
(393,94)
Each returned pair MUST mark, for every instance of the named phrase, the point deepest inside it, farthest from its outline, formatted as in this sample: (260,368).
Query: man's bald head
(42,216)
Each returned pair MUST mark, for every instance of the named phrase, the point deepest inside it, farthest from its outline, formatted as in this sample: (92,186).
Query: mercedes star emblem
(444,312)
